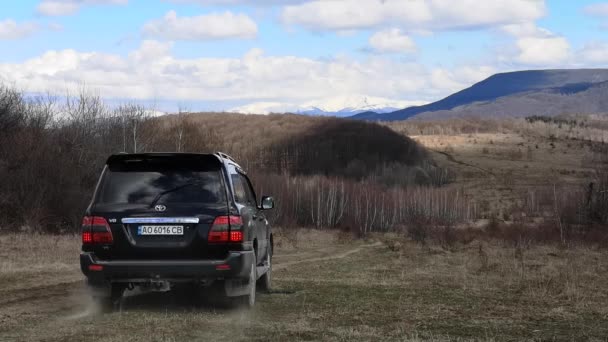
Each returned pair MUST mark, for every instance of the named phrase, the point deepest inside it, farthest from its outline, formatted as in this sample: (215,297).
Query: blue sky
(270,55)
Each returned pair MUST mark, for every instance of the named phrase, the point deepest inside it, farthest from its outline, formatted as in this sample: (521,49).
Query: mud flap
(236,287)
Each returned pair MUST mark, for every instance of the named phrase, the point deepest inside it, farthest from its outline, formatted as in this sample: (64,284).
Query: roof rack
(225,156)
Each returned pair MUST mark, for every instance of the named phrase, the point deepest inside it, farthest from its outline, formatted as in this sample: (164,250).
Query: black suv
(158,220)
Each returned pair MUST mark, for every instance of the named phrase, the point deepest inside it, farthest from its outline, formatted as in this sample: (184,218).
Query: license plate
(160,230)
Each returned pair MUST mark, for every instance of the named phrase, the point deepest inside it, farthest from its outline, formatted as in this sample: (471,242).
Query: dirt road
(328,288)
(58,308)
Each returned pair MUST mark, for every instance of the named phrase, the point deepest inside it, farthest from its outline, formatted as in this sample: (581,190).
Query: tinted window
(142,186)
(249,191)
(239,189)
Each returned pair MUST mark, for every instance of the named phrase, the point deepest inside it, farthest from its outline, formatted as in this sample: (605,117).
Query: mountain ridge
(503,85)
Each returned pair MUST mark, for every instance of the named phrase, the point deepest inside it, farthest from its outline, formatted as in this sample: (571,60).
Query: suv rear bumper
(104,272)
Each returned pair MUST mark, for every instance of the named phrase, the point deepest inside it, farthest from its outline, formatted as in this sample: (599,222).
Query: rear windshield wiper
(161,194)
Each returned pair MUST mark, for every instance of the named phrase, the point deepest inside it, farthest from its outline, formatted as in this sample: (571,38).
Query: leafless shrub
(418,232)
(364,206)
(51,154)
(324,172)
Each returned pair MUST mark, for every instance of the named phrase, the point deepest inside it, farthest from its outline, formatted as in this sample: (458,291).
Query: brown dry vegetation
(297,144)
(482,230)
(51,155)
(329,287)
(526,174)
(325,172)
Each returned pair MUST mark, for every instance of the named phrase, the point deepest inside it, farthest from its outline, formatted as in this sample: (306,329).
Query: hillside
(50,161)
(296,143)
(516,168)
(576,99)
(521,93)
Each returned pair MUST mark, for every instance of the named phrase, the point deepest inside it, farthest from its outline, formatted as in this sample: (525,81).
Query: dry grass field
(501,169)
(328,287)
(383,287)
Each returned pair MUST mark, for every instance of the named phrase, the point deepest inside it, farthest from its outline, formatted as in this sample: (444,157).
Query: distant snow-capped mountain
(341,106)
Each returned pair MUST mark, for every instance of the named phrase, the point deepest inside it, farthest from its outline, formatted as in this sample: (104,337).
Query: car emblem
(160,207)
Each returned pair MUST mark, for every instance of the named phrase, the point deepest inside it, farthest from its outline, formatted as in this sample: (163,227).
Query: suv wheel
(249,299)
(265,282)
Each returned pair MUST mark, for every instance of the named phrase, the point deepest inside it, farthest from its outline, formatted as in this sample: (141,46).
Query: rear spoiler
(201,160)
(135,157)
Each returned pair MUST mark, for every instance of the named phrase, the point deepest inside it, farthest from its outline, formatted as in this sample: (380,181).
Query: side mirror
(267,202)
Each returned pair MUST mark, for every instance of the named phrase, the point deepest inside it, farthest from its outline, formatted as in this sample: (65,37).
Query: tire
(112,300)
(248,301)
(265,281)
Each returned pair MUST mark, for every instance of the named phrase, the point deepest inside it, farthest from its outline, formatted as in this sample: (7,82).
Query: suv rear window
(142,182)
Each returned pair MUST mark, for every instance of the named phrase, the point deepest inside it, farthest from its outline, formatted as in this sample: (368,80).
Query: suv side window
(240,195)
(248,190)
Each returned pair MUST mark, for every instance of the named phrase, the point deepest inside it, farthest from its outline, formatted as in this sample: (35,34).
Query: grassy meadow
(329,287)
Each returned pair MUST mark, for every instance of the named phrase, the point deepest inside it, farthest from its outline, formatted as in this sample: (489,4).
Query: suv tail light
(226,229)
(96,231)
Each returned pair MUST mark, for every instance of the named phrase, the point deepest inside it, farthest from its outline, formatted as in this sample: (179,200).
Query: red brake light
(226,229)
(100,221)
(224,220)
(87,237)
(218,236)
(236,236)
(96,230)
(103,238)
(95,268)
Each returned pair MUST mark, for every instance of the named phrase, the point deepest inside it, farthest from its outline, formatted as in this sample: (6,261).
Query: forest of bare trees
(323,172)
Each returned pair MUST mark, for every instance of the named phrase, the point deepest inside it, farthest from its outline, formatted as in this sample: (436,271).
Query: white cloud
(599,9)
(54,8)
(151,50)
(521,29)
(419,15)
(537,46)
(460,77)
(547,50)
(69,7)
(237,2)
(594,53)
(152,72)
(10,29)
(55,27)
(209,26)
(392,40)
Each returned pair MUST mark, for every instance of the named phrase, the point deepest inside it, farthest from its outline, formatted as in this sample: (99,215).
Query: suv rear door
(246,201)
(263,234)
(140,192)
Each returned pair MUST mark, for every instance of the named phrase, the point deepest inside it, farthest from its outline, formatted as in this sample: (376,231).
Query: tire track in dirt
(43,304)
(64,289)
(17,296)
(330,257)
(456,161)
(60,303)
